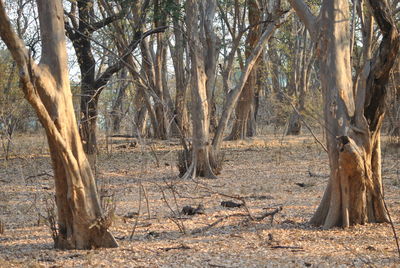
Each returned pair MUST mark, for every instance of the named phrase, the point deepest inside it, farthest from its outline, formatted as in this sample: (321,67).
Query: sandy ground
(141,183)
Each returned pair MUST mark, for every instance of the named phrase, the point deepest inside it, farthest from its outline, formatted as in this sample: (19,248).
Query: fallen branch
(39,175)
(208,227)
(240,198)
(178,247)
(287,247)
(267,214)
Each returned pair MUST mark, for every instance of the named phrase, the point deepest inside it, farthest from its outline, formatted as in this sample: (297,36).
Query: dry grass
(265,172)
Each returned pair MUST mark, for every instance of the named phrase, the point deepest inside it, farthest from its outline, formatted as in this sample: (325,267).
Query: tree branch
(305,15)
(104,22)
(12,41)
(106,75)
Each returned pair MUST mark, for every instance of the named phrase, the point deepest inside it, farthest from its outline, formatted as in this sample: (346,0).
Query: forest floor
(140,181)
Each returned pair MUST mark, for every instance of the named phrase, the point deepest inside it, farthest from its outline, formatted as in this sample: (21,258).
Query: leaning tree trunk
(245,104)
(354,194)
(81,223)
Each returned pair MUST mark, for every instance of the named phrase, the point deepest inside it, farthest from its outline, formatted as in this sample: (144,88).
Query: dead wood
(267,214)
(208,227)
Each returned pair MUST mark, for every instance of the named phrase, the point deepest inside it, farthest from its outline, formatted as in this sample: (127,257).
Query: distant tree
(80,25)
(245,107)
(81,222)
(205,154)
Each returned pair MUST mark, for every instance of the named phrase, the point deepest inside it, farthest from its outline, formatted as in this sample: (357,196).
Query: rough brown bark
(81,223)
(200,162)
(354,194)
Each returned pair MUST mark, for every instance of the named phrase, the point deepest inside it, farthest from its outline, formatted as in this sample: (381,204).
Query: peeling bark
(354,194)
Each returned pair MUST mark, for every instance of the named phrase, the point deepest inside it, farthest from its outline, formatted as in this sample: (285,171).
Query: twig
(182,246)
(138,214)
(307,126)
(240,198)
(147,201)
(208,227)
(174,219)
(155,155)
(287,247)
(38,175)
(392,225)
(266,214)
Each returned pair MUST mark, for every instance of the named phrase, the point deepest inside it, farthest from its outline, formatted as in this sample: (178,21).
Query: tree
(245,104)
(80,31)
(201,159)
(80,27)
(354,194)
(178,51)
(81,222)
(277,17)
(204,159)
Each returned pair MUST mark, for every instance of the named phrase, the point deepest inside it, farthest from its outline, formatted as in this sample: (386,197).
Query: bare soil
(140,181)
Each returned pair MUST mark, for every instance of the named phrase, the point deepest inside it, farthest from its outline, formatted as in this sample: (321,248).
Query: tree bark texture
(81,223)
(354,194)
(200,162)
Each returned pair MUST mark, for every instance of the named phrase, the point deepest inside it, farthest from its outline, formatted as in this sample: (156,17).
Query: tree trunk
(245,104)
(234,94)
(211,50)
(178,59)
(177,53)
(201,158)
(354,193)
(303,65)
(117,112)
(81,223)
(141,112)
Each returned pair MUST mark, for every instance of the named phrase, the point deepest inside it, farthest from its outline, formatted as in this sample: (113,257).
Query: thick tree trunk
(211,50)
(354,194)
(81,223)
(201,158)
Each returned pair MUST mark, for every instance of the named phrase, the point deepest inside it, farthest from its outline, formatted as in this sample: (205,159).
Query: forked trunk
(354,194)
